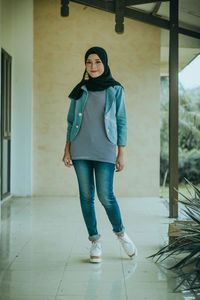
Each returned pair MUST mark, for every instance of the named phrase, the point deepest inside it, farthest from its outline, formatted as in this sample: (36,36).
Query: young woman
(96,129)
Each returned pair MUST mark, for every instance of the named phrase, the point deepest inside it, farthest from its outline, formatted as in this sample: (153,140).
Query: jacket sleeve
(70,119)
(121,117)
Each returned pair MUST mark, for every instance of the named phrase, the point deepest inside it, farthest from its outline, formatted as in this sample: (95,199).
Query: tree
(189,133)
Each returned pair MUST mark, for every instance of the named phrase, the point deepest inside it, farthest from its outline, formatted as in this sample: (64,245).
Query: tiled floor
(44,252)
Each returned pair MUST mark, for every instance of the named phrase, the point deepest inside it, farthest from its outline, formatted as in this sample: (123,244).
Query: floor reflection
(44,253)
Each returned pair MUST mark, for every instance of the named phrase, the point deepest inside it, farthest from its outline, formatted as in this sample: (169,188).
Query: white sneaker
(95,252)
(127,245)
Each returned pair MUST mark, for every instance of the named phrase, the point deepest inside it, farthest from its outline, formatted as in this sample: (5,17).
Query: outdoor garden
(183,252)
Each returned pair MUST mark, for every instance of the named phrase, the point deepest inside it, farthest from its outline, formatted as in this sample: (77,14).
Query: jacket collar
(84,88)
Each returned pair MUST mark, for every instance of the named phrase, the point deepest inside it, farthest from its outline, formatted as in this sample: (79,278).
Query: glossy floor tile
(44,252)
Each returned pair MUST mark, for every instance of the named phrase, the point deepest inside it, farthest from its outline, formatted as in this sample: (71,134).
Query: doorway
(6,69)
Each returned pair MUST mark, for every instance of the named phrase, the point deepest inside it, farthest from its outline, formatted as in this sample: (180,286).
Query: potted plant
(185,248)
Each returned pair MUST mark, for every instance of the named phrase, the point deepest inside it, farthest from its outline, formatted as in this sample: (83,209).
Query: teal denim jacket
(114,115)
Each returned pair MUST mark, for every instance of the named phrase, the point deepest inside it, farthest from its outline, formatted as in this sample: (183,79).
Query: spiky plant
(186,247)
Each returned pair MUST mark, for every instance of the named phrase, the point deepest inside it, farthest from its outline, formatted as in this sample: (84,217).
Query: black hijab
(95,84)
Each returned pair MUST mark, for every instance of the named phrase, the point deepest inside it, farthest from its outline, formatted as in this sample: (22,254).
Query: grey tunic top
(91,143)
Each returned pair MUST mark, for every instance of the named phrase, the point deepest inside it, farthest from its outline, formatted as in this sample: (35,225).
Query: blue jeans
(103,172)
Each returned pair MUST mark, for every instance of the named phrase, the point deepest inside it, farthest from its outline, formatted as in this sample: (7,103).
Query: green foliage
(189,165)
(186,247)
(189,133)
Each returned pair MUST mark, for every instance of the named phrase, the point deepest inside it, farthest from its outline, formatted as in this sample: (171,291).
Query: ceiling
(157,13)
(189,18)
(189,12)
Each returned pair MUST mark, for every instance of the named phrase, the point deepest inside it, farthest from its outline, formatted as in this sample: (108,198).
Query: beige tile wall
(134,58)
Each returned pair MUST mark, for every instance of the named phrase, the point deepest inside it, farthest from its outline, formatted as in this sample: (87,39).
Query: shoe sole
(95,259)
(134,254)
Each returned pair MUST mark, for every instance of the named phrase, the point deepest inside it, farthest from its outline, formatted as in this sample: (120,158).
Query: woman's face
(94,66)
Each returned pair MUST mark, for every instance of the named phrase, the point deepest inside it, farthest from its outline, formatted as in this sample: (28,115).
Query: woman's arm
(70,118)
(121,128)
(121,119)
(67,157)
(120,159)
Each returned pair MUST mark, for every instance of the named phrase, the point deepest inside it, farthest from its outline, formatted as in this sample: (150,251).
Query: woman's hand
(120,159)
(67,157)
